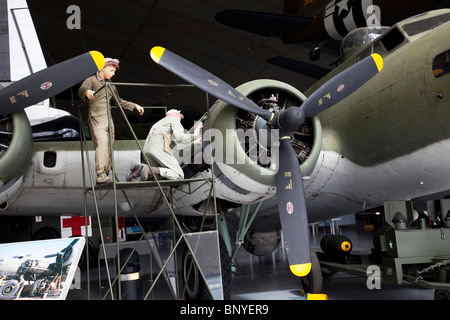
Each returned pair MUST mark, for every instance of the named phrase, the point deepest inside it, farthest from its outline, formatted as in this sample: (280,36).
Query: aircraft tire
(46,233)
(9,290)
(313,282)
(196,288)
(441,294)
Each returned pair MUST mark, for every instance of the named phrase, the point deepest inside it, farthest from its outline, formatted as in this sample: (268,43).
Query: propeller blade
(49,82)
(290,191)
(205,81)
(292,209)
(342,85)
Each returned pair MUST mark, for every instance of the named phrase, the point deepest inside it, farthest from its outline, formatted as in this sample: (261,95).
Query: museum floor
(269,278)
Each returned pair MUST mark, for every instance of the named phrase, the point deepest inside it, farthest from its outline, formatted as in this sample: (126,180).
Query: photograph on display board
(36,270)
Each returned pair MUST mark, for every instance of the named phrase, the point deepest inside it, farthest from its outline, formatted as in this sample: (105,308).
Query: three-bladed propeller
(290,191)
(49,82)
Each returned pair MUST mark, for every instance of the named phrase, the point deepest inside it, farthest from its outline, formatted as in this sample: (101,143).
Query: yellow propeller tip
(300,270)
(378,61)
(99,59)
(156,53)
(317,296)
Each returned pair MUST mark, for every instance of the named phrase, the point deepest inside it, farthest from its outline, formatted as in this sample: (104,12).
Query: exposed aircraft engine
(16,150)
(249,150)
(270,95)
(245,151)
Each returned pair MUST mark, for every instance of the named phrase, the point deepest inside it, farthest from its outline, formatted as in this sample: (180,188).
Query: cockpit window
(441,64)
(359,38)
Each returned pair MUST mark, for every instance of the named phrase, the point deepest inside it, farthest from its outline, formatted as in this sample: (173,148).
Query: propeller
(49,82)
(61,257)
(290,190)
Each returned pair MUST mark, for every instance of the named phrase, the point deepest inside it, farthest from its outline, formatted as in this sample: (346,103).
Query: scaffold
(197,243)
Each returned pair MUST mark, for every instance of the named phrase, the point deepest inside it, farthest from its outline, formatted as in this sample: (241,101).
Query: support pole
(245,221)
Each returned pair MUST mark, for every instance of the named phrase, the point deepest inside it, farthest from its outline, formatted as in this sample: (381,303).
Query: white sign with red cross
(72,226)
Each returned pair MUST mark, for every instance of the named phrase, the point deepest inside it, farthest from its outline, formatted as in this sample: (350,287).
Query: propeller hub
(290,119)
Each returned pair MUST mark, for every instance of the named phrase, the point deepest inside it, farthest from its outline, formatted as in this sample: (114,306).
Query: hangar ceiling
(127,30)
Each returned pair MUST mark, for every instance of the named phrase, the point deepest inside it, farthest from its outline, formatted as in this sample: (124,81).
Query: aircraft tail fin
(20,50)
(21,55)
(264,24)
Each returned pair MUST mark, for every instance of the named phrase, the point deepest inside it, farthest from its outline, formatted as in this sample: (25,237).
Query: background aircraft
(322,20)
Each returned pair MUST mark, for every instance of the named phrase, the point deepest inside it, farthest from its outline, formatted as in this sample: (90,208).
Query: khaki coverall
(159,153)
(98,122)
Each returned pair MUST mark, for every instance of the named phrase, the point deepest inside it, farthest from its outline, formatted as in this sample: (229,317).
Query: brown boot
(135,172)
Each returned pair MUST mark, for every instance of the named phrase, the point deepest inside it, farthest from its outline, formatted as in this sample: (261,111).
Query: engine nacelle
(244,151)
(261,243)
(16,151)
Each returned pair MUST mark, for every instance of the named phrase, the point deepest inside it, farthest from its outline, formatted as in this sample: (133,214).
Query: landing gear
(193,282)
(313,282)
(9,290)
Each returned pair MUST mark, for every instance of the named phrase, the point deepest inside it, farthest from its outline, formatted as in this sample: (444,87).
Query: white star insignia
(343,5)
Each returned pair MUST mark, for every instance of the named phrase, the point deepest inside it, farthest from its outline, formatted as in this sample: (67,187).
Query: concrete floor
(269,278)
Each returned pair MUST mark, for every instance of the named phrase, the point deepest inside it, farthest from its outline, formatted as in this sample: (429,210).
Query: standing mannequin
(98,116)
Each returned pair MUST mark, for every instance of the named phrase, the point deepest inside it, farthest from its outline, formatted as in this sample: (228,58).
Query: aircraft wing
(264,24)
(307,69)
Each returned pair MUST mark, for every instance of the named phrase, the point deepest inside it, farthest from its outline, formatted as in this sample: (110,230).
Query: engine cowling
(16,151)
(243,150)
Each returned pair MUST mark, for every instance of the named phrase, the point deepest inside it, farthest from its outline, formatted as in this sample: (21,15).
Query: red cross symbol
(75,223)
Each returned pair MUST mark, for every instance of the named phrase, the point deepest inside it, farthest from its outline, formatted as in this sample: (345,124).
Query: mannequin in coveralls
(98,116)
(157,148)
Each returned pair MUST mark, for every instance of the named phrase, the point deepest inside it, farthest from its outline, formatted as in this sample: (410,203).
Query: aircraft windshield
(359,38)
(420,26)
